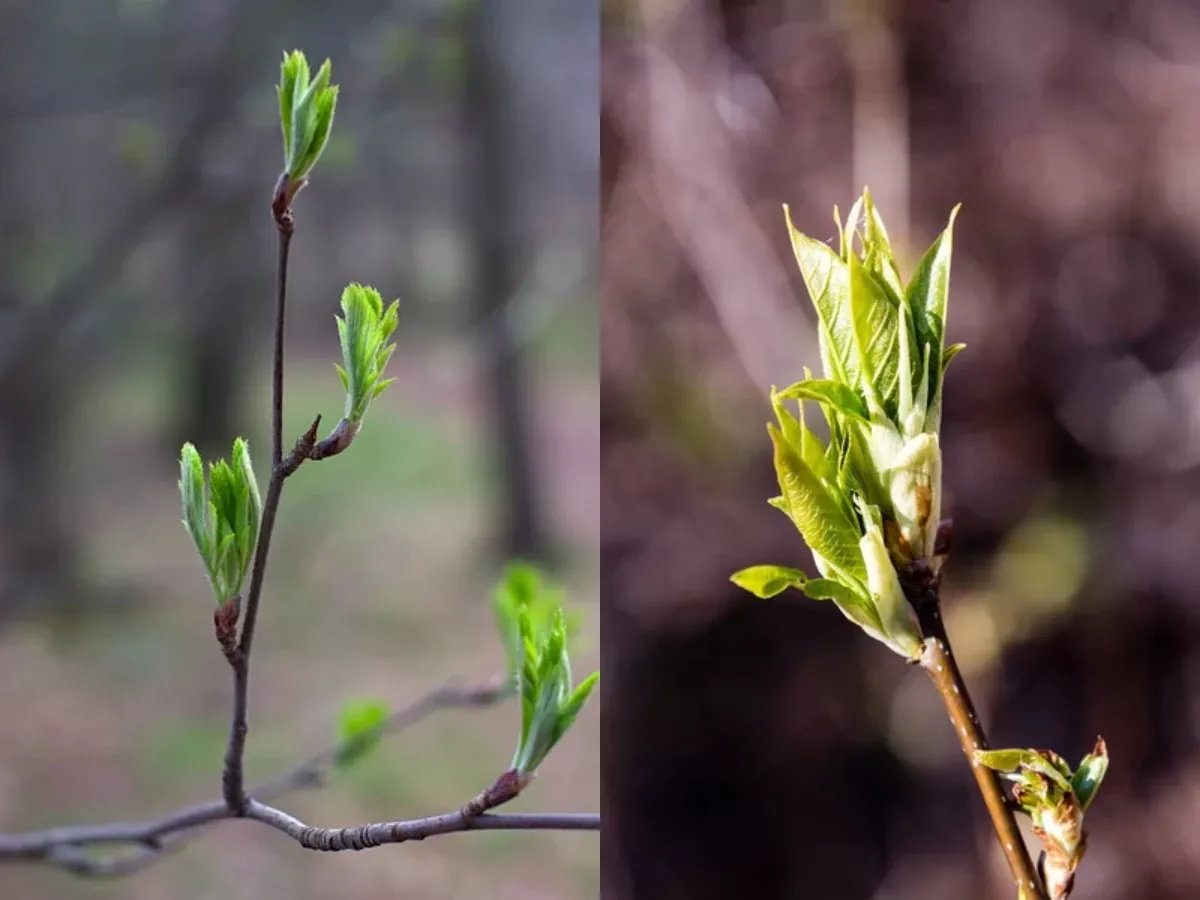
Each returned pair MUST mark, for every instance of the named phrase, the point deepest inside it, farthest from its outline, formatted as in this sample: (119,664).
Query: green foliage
(549,702)
(1092,768)
(524,591)
(869,500)
(306,108)
(883,351)
(360,727)
(534,630)
(768,581)
(222,519)
(1055,798)
(825,523)
(363,331)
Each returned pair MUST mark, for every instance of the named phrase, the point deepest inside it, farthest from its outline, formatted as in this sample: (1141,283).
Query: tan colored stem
(939,664)
(937,659)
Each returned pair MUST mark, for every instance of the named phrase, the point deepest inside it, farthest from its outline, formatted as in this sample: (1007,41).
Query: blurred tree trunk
(496,228)
(39,376)
(224,311)
(38,551)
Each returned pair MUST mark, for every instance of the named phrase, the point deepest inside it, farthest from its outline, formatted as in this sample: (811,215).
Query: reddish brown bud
(225,621)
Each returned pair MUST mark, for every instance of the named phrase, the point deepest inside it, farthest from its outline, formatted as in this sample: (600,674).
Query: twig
(937,659)
(232,779)
(65,848)
(311,772)
(286,226)
(364,837)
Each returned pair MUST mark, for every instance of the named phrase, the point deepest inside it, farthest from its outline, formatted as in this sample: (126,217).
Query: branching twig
(238,511)
(66,848)
(312,772)
(921,588)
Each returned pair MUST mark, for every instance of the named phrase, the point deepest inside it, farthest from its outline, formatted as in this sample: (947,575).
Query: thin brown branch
(312,772)
(937,659)
(286,226)
(364,837)
(233,778)
(150,840)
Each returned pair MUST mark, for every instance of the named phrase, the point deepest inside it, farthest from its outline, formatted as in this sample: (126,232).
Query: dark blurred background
(767,749)
(139,145)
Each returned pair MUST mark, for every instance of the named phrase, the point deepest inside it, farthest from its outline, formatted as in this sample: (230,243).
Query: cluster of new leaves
(534,630)
(1055,798)
(306,110)
(868,500)
(222,517)
(363,331)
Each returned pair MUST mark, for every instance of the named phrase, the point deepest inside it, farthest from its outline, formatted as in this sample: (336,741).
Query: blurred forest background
(766,749)
(139,145)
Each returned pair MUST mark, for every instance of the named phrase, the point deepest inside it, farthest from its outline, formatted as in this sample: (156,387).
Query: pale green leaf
(807,444)
(380,386)
(842,398)
(323,111)
(850,229)
(927,295)
(818,515)
(876,324)
(828,589)
(1005,760)
(287,95)
(241,460)
(828,283)
(952,351)
(878,258)
(570,710)
(768,581)
(191,490)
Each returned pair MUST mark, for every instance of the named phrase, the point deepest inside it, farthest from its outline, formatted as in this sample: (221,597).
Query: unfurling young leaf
(360,728)
(306,110)
(769,581)
(549,701)
(191,490)
(1086,780)
(878,258)
(927,296)
(883,353)
(828,282)
(222,521)
(1055,799)
(898,627)
(875,324)
(363,331)
(836,395)
(1005,761)
(818,515)
(523,588)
